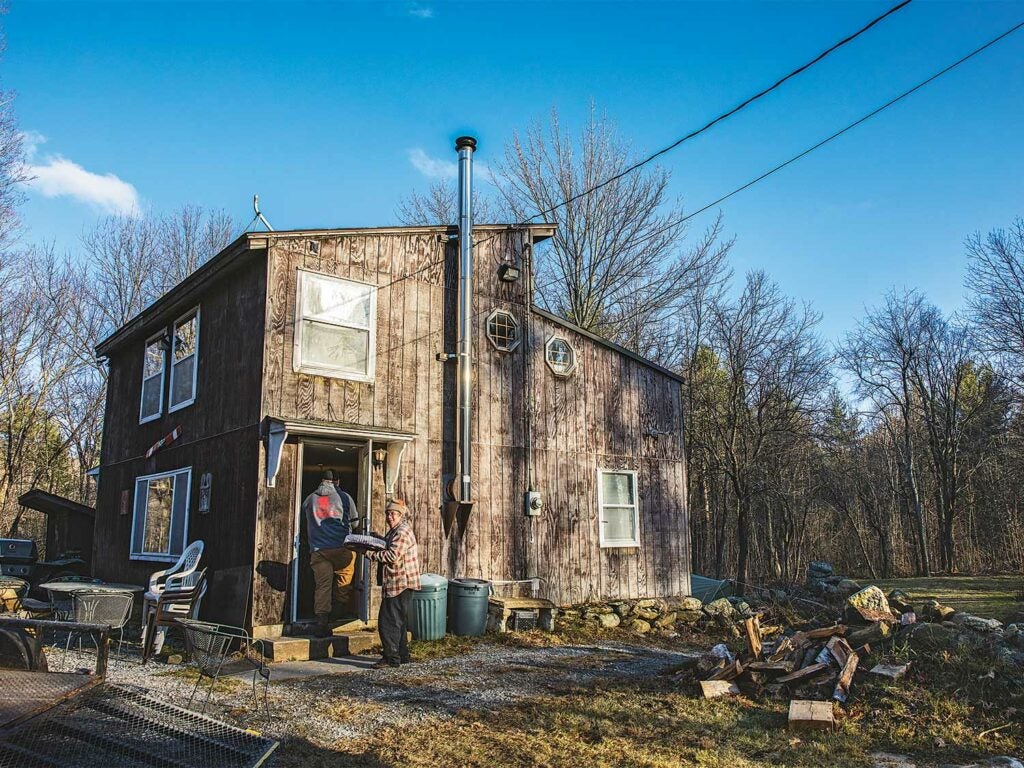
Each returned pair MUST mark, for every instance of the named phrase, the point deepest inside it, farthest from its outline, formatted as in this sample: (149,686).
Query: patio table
(76,586)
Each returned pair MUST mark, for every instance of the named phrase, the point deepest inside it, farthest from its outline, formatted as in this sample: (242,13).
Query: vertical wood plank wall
(605,415)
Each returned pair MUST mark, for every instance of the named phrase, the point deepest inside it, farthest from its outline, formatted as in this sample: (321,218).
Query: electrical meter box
(533,503)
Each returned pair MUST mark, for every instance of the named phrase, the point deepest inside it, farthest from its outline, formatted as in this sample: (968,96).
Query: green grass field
(996,597)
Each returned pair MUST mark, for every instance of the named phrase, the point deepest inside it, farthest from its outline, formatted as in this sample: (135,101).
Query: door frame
(364,484)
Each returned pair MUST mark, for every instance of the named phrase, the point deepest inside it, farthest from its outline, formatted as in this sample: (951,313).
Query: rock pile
(822,580)
(664,617)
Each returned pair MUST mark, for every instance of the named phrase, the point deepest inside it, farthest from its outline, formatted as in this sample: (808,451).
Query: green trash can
(427,608)
(467,606)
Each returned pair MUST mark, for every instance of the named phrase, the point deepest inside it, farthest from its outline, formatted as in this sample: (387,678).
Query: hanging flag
(165,440)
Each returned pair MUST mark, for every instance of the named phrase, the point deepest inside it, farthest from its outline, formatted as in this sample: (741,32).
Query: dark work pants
(393,626)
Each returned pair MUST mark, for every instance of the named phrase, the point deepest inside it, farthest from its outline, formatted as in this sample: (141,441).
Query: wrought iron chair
(182,575)
(172,605)
(219,649)
(13,592)
(100,607)
(61,608)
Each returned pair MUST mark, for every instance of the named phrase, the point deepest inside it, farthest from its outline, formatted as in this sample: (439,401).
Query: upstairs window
(152,400)
(560,356)
(503,330)
(335,326)
(160,520)
(184,353)
(618,511)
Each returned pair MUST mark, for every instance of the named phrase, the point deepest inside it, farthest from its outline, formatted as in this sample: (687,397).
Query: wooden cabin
(293,352)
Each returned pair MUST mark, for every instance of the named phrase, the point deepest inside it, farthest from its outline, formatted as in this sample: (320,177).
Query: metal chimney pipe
(465,145)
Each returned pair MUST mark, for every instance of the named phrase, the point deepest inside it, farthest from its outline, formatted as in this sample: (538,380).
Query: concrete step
(304,648)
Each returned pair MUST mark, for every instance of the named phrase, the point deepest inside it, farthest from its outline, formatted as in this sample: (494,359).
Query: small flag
(165,440)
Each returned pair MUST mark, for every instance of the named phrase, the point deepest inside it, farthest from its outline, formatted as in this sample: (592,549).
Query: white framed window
(151,401)
(184,361)
(618,508)
(160,519)
(335,327)
(560,356)
(503,330)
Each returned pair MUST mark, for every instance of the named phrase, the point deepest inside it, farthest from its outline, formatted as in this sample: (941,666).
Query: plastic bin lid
(432,582)
(471,583)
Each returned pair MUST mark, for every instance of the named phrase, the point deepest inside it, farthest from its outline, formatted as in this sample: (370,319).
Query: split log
(778,667)
(840,650)
(873,634)
(802,674)
(728,672)
(842,691)
(784,647)
(892,671)
(811,715)
(823,632)
(752,628)
(712,689)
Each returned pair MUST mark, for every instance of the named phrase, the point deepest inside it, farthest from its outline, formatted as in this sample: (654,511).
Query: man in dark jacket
(329,515)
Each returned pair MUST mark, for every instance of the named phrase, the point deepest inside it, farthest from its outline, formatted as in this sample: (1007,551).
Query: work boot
(323,626)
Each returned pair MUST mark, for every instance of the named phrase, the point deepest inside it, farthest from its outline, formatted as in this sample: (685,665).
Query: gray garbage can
(428,608)
(467,606)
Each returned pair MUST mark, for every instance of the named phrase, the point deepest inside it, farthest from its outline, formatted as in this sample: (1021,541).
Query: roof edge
(606,343)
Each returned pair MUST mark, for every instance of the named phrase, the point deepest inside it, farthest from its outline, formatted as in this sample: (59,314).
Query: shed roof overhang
(49,503)
(276,432)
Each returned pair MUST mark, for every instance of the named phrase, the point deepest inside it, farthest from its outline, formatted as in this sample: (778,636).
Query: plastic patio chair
(171,606)
(101,607)
(220,649)
(181,575)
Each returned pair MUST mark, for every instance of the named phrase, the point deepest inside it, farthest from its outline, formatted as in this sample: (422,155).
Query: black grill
(18,557)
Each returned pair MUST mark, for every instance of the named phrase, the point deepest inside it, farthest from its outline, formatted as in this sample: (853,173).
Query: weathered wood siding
(613,412)
(219,431)
(600,417)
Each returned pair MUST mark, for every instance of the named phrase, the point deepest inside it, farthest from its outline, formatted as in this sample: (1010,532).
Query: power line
(725,115)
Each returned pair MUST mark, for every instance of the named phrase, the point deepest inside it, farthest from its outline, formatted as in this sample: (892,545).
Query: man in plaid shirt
(400,574)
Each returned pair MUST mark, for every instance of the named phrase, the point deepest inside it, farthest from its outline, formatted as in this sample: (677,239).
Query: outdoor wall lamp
(508,273)
(379,457)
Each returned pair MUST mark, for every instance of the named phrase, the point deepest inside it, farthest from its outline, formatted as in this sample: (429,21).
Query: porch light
(379,456)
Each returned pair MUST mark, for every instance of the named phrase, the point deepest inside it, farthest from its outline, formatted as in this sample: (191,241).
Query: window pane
(503,330)
(329,346)
(185,339)
(159,500)
(154,360)
(181,380)
(617,489)
(150,397)
(334,300)
(618,524)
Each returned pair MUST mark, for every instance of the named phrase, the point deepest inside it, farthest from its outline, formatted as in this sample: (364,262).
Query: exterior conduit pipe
(465,145)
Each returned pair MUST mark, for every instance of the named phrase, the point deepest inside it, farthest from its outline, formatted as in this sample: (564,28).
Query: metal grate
(522,620)
(121,727)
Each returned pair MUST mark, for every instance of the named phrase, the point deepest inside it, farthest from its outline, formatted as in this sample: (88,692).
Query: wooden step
(304,648)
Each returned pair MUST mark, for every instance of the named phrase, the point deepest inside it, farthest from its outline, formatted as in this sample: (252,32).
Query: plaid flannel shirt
(400,561)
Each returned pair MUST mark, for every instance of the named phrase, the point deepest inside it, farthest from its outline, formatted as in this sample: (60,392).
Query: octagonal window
(503,330)
(560,356)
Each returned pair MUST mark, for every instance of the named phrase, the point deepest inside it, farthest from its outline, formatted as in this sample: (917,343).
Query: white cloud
(56,176)
(432,167)
(421,11)
(443,170)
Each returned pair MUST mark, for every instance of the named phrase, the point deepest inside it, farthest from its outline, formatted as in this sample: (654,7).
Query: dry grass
(997,597)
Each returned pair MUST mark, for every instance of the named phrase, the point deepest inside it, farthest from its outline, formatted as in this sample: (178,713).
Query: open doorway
(349,461)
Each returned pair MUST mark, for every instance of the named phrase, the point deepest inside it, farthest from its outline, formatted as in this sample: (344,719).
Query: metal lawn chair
(61,608)
(105,607)
(181,575)
(13,592)
(219,649)
(170,607)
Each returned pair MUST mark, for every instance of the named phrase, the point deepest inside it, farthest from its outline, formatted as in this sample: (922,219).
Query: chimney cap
(465,141)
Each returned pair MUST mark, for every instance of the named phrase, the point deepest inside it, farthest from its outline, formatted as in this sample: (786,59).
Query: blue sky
(333,111)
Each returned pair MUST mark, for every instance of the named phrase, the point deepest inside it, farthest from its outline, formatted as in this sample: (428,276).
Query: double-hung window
(618,509)
(184,354)
(334,327)
(152,401)
(160,520)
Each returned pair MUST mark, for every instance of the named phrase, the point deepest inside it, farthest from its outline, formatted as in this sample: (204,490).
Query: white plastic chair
(184,574)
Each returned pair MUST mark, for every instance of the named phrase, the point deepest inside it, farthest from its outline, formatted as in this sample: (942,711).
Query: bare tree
(882,354)
(615,264)
(776,374)
(187,239)
(439,205)
(995,275)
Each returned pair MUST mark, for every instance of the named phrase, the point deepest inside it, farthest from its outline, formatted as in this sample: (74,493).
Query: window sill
(154,558)
(329,373)
(179,406)
(148,419)
(620,545)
